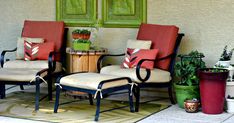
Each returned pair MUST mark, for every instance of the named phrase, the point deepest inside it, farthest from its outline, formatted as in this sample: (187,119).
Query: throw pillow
(37,51)
(20,45)
(133,56)
(139,44)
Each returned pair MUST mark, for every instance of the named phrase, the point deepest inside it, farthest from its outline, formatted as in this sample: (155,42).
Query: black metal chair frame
(92,92)
(37,82)
(143,80)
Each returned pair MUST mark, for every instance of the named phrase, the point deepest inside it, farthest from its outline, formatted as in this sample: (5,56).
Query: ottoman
(94,84)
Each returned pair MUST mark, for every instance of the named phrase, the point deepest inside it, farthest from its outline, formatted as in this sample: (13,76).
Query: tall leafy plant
(186,68)
(226,55)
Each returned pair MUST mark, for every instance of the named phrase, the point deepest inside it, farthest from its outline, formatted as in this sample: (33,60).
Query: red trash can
(212,89)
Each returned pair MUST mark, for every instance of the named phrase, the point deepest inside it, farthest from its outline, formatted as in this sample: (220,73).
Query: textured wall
(13,14)
(207,24)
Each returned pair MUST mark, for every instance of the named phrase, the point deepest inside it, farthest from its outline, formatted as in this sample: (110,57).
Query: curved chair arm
(51,62)
(138,68)
(3,55)
(102,57)
(148,70)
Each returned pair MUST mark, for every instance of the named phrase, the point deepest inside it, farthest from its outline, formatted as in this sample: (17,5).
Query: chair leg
(171,95)
(49,87)
(56,105)
(2,91)
(21,87)
(130,99)
(90,99)
(37,98)
(137,96)
(98,106)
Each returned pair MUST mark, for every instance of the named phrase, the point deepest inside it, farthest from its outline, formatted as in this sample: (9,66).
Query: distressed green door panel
(123,7)
(76,12)
(123,13)
(75,7)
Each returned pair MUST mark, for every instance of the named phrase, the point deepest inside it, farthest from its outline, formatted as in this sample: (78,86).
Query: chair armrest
(51,62)
(3,55)
(103,56)
(138,68)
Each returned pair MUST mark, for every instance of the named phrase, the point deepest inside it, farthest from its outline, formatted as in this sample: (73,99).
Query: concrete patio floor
(173,114)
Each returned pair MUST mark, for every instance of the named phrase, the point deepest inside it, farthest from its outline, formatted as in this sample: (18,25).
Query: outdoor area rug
(21,105)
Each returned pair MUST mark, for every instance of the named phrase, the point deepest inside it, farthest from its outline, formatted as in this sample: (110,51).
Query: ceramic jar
(191,106)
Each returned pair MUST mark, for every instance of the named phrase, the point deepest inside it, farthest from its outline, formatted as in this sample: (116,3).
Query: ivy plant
(186,68)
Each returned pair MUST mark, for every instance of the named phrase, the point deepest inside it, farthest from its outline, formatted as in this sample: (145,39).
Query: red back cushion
(36,51)
(163,37)
(51,31)
(133,56)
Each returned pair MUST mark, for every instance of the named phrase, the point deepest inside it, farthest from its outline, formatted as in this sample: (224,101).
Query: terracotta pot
(77,36)
(191,106)
(86,36)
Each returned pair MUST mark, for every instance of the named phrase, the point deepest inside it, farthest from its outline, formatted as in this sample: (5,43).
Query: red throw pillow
(37,51)
(133,56)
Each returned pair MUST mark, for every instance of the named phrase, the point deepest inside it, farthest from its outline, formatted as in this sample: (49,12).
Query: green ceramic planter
(186,92)
(81,46)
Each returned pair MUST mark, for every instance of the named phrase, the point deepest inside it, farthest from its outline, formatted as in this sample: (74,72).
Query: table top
(92,51)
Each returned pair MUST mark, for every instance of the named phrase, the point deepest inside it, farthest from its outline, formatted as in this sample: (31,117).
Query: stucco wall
(207,24)
(14,12)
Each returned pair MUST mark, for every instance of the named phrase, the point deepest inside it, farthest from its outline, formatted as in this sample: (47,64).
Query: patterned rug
(21,105)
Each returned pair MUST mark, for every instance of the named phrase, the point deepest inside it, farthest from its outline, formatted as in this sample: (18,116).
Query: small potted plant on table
(86,34)
(186,69)
(76,34)
(81,44)
(81,34)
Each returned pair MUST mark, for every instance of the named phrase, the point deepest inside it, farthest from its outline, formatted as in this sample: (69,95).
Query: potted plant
(225,57)
(86,34)
(230,104)
(187,87)
(81,34)
(81,44)
(76,34)
(212,89)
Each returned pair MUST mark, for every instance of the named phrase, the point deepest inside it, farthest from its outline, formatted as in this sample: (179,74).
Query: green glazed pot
(186,92)
(81,46)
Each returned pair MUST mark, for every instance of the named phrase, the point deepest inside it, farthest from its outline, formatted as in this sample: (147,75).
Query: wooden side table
(84,60)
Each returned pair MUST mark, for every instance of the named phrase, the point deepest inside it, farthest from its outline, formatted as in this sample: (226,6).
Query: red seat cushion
(163,37)
(133,56)
(51,31)
(36,51)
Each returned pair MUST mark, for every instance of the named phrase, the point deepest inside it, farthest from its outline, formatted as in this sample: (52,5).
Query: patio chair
(39,56)
(166,39)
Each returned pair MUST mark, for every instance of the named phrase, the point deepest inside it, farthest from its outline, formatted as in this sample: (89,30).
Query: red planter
(212,90)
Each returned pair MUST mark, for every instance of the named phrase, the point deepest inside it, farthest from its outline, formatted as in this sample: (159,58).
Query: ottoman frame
(98,93)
